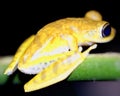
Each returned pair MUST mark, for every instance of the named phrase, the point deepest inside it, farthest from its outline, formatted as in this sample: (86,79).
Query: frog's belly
(36,68)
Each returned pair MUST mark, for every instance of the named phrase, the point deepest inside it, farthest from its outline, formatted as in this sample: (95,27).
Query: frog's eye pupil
(106,30)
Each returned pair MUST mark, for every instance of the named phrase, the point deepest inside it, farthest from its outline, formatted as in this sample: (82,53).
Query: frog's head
(103,33)
(99,31)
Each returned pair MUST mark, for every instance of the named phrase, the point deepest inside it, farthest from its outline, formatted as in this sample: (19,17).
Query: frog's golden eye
(106,30)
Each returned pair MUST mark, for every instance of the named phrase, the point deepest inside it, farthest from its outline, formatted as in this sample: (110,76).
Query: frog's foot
(86,52)
(94,15)
(14,63)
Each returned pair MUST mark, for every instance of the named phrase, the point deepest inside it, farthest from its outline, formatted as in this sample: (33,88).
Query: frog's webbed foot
(86,52)
(57,71)
(13,65)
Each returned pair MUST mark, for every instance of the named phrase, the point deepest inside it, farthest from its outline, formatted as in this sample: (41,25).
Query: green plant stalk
(102,66)
(4,61)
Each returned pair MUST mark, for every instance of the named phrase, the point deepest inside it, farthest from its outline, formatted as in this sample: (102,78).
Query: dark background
(19,20)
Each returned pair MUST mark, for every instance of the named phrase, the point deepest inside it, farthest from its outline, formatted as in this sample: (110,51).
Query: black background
(21,19)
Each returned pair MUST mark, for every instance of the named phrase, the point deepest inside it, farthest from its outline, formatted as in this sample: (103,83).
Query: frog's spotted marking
(58,48)
(71,59)
(74,29)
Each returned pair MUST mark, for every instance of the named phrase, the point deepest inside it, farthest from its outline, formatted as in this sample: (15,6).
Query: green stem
(102,66)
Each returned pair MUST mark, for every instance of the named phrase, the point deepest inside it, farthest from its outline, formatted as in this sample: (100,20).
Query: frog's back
(60,26)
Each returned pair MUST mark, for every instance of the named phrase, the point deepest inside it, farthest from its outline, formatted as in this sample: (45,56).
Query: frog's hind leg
(13,65)
(57,71)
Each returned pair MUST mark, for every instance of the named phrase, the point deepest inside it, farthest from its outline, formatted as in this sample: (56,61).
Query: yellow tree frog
(56,50)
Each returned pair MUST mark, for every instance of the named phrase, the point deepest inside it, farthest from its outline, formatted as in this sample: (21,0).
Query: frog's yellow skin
(56,50)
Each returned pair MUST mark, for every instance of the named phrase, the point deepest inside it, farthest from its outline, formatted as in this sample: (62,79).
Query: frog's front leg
(57,71)
(13,65)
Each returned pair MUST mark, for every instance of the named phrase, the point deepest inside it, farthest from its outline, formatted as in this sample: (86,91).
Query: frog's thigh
(57,71)
(13,65)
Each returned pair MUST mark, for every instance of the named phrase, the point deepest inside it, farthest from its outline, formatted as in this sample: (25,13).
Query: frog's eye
(106,30)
